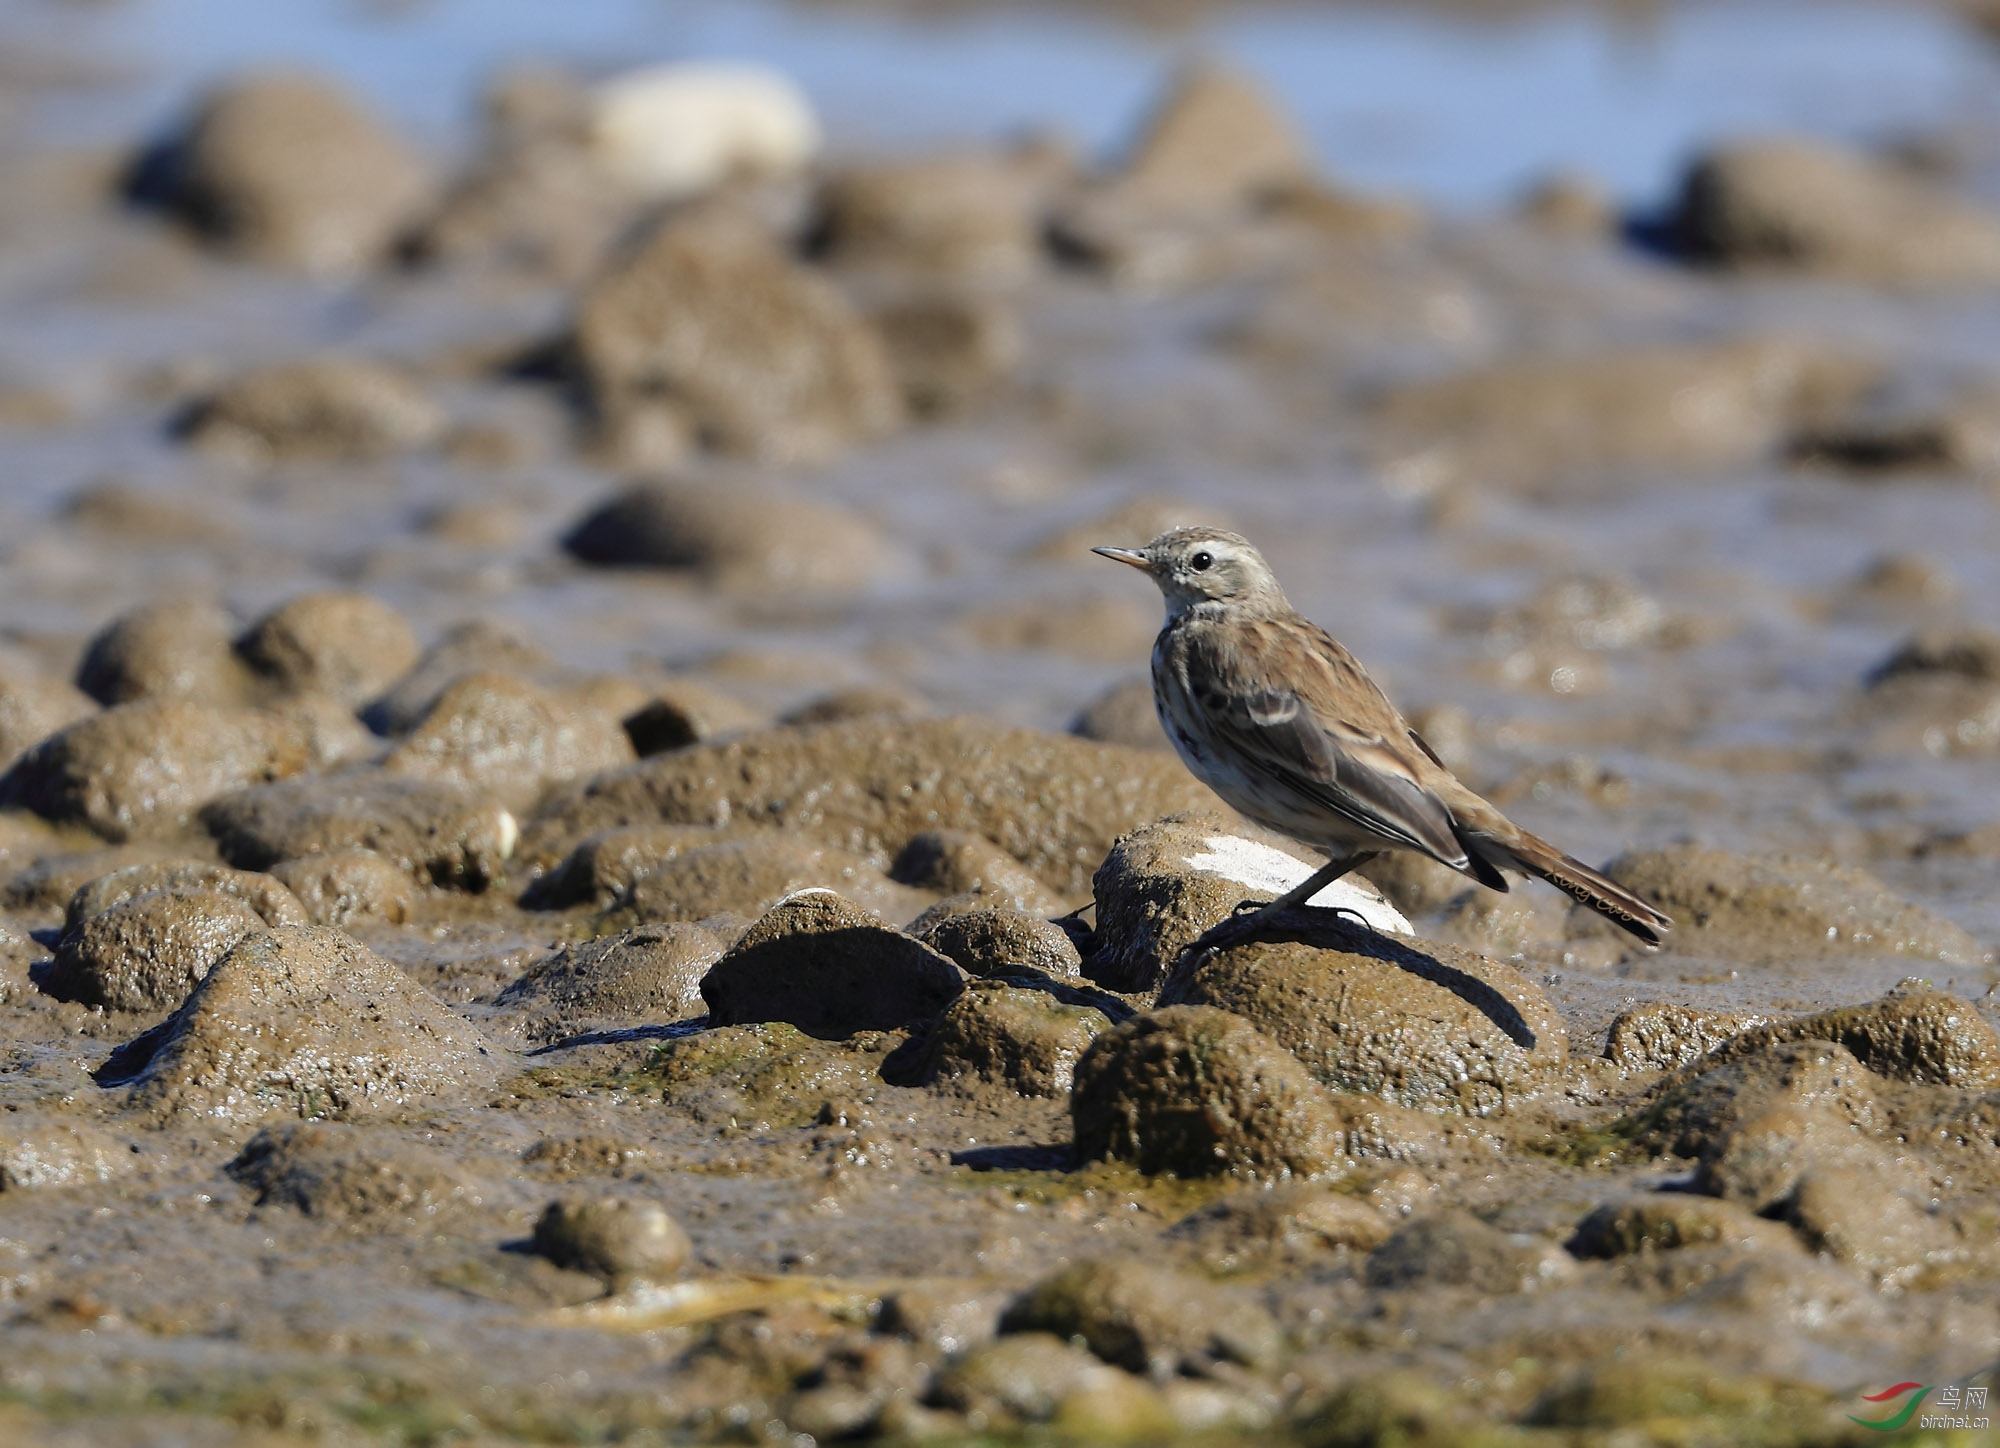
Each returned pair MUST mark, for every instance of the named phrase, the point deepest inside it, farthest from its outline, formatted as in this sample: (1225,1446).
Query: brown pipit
(1281,721)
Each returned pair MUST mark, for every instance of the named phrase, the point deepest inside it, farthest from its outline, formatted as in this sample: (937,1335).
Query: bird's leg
(1253,915)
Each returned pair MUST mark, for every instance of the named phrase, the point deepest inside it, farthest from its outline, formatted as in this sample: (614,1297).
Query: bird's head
(1204,565)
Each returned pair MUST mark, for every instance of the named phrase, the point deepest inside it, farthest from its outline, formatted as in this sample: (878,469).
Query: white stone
(672,131)
(1273,872)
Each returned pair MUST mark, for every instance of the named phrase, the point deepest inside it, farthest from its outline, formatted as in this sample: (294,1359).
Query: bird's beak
(1134,556)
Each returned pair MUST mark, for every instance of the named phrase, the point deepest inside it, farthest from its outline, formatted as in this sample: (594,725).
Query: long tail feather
(1581,883)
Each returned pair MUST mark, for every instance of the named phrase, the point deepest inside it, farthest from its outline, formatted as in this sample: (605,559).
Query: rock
(1146,1319)
(751,875)
(1668,1221)
(997,1034)
(949,351)
(862,701)
(34,706)
(958,862)
(963,217)
(1529,423)
(345,646)
(1123,714)
(287,169)
(435,832)
(1417,1023)
(667,132)
(140,938)
(45,1153)
(768,1076)
(303,1021)
(1167,884)
(268,898)
(1814,207)
(1940,691)
(1913,1033)
(178,650)
(477,647)
(57,874)
(339,1172)
(344,886)
(1201,1092)
(1662,1036)
(1570,205)
(740,534)
(1002,943)
(144,769)
(603,869)
(685,711)
(1781,907)
(334,409)
(1026,1377)
(503,736)
(870,787)
(1254,1228)
(708,327)
(1456,1249)
(1215,141)
(1967,653)
(1854,1215)
(822,965)
(648,976)
(616,1237)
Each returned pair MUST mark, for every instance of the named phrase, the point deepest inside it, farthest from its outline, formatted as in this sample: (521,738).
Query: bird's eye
(1202,562)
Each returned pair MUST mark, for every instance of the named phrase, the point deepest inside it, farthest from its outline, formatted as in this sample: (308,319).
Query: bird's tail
(1535,856)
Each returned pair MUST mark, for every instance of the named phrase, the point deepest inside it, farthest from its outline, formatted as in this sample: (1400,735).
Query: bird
(1268,710)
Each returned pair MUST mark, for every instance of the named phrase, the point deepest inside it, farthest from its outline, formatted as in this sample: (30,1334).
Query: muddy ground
(586,859)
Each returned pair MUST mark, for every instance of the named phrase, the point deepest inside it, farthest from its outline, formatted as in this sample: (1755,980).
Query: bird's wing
(1297,707)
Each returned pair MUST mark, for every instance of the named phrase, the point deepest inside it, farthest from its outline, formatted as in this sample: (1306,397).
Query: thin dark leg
(1253,915)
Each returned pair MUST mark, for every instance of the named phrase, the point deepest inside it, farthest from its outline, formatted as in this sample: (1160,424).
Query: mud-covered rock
(345,646)
(40,1152)
(144,769)
(508,738)
(647,976)
(1037,1377)
(967,216)
(434,831)
(1053,803)
(1668,1221)
(738,533)
(1875,1223)
(1215,141)
(769,1074)
(1146,1318)
(709,324)
(604,867)
(1202,1092)
(1123,714)
(996,1034)
(344,886)
(179,649)
(32,707)
(338,1172)
(474,647)
(621,1238)
(1771,908)
(1455,1249)
(1527,423)
(1417,1023)
(751,875)
(272,902)
(288,169)
(1912,1033)
(1661,1036)
(949,350)
(336,409)
(303,1021)
(860,701)
(823,965)
(1167,884)
(686,711)
(1812,206)
(957,862)
(56,874)
(1254,1228)
(148,952)
(1002,943)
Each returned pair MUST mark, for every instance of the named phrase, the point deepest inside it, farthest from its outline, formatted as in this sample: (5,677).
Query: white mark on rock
(1272,872)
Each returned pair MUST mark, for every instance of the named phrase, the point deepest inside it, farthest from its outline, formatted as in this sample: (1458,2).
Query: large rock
(1913,1033)
(304,1021)
(1024,1041)
(475,647)
(647,976)
(147,952)
(1417,1023)
(822,965)
(708,329)
(956,862)
(437,833)
(288,169)
(1202,1092)
(741,533)
(144,769)
(340,1172)
(1772,908)
(1215,141)
(603,868)
(337,409)
(1811,206)
(871,786)
(967,216)
(340,887)
(346,646)
(1147,1318)
(268,898)
(179,649)
(507,737)
(32,707)
(1166,884)
(748,876)
(999,942)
